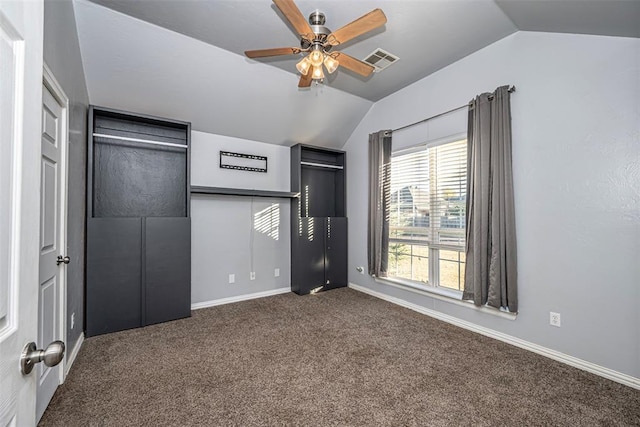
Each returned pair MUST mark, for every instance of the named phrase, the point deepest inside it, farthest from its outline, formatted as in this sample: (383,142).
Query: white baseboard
(229,300)
(610,374)
(71,357)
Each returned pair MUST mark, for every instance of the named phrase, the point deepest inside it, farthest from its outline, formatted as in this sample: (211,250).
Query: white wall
(62,55)
(234,234)
(576,158)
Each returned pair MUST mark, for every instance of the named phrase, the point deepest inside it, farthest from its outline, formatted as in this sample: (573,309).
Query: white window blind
(427,214)
(409,203)
(428,196)
(448,200)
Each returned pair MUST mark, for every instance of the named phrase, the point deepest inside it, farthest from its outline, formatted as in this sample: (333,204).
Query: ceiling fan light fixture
(331,64)
(318,74)
(316,57)
(304,65)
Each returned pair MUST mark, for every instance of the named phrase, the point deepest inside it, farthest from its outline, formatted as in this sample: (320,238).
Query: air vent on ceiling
(381,59)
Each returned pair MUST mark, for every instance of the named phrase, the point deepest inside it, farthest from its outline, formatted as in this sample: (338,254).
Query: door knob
(62,259)
(51,356)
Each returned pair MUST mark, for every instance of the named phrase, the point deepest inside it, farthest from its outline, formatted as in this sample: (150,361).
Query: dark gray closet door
(307,268)
(336,252)
(113,272)
(167,269)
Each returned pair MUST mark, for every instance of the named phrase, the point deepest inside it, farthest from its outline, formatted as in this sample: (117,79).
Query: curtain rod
(511,90)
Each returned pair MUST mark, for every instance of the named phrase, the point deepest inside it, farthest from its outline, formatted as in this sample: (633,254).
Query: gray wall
(62,55)
(137,66)
(237,235)
(575,155)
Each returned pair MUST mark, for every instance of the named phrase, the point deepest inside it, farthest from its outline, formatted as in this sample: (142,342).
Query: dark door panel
(307,273)
(113,275)
(167,269)
(336,252)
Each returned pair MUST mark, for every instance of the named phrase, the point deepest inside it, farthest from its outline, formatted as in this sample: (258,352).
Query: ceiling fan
(319,42)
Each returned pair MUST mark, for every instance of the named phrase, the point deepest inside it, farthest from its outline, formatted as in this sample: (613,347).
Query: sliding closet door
(307,267)
(167,282)
(336,252)
(114,270)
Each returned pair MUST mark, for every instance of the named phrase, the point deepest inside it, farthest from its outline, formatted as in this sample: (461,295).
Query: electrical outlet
(232,278)
(73,320)
(252,275)
(554,319)
(276,272)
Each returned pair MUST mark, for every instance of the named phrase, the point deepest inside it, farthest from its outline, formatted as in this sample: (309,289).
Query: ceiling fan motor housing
(317,20)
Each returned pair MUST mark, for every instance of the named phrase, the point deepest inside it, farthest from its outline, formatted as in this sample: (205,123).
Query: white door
(21,37)
(52,243)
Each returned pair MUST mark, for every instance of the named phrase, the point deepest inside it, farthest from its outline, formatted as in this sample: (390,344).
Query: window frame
(433,283)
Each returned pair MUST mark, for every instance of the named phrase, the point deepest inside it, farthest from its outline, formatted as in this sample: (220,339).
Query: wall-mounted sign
(243,162)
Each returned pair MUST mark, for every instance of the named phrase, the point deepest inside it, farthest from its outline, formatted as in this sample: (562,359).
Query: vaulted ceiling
(184,59)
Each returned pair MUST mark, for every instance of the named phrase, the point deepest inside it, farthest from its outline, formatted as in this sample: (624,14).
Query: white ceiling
(197,71)
(426,35)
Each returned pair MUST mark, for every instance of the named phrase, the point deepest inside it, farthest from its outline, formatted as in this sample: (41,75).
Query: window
(427,214)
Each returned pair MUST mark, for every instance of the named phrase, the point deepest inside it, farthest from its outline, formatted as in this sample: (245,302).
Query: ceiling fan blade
(261,53)
(305,80)
(353,64)
(364,24)
(293,14)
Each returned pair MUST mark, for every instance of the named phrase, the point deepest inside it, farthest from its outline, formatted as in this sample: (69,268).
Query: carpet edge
(584,365)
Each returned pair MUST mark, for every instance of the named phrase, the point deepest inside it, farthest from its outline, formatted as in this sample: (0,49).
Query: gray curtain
(491,268)
(379,193)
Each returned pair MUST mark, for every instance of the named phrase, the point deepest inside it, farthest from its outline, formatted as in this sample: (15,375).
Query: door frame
(51,83)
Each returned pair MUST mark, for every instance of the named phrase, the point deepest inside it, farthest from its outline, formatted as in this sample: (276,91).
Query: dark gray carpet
(335,358)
